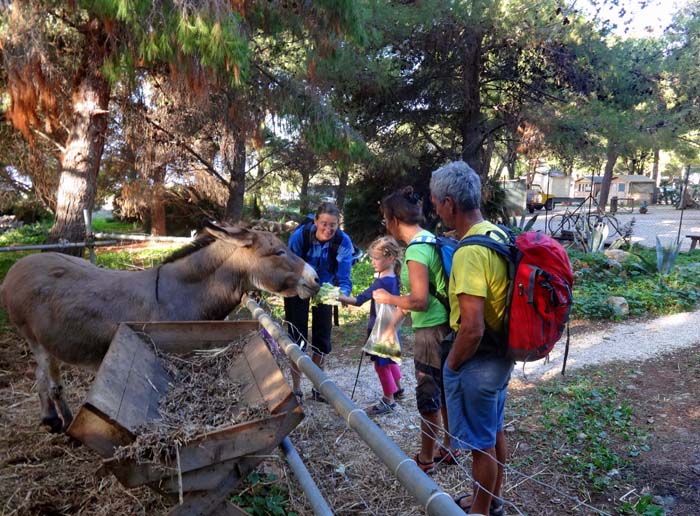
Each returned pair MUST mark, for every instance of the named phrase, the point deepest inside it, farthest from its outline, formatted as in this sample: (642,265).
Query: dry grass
(202,397)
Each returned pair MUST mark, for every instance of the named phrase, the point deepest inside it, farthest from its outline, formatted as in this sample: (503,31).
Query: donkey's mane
(202,241)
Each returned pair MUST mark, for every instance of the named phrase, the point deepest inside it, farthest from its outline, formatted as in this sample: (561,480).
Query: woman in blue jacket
(324,246)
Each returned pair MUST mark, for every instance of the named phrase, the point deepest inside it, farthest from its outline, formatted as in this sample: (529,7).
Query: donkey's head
(267,263)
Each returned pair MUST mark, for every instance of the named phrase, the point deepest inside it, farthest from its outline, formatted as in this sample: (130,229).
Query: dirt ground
(43,474)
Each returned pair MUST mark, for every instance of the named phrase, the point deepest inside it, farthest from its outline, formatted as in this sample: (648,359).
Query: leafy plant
(585,423)
(666,256)
(643,506)
(597,237)
(522,225)
(597,278)
(263,495)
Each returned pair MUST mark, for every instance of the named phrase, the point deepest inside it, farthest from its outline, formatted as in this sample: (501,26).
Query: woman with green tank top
(422,273)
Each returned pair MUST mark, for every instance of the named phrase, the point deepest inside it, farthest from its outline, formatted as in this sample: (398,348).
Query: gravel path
(661,220)
(624,342)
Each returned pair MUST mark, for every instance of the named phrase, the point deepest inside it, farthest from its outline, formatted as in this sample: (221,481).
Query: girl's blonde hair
(389,248)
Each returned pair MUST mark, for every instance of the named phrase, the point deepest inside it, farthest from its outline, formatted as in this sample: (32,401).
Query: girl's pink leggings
(388,375)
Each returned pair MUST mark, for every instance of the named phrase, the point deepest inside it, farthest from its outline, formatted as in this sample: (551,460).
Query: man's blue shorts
(476,397)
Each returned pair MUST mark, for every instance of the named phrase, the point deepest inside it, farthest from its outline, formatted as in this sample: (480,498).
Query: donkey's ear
(241,236)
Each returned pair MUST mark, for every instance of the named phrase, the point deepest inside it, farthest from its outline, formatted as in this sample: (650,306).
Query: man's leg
(501,456)
(485,473)
(447,440)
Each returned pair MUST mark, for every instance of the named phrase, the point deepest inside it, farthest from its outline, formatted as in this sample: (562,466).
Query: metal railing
(419,485)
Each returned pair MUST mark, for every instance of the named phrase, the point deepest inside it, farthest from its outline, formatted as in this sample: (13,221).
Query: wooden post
(89,236)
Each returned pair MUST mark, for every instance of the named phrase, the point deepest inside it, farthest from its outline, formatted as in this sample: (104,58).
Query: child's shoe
(381,408)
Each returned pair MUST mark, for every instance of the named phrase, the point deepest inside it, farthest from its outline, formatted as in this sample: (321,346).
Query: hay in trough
(202,397)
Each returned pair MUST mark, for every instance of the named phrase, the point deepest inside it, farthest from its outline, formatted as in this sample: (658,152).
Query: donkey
(68,309)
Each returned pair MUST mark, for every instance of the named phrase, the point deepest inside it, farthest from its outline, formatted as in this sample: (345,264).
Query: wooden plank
(212,448)
(129,382)
(213,478)
(186,336)
(267,376)
(97,432)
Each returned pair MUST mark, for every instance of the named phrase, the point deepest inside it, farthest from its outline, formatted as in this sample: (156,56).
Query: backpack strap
(504,247)
(432,288)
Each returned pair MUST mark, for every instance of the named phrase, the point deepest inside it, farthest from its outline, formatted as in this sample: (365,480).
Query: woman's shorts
(428,358)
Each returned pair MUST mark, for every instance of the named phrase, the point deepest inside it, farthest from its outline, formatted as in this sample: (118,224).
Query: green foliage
(31,211)
(33,234)
(263,495)
(362,276)
(584,423)
(110,225)
(643,506)
(125,260)
(596,278)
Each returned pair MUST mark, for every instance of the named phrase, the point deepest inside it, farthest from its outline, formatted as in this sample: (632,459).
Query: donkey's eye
(281,252)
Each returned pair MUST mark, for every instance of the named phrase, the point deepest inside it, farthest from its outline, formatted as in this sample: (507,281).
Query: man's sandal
(400,394)
(447,457)
(426,467)
(496,508)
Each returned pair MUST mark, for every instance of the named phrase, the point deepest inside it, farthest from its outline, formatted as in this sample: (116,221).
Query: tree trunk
(656,176)
(304,206)
(611,154)
(471,123)
(158,226)
(342,187)
(80,161)
(487,155)
(511,156)
(233,153)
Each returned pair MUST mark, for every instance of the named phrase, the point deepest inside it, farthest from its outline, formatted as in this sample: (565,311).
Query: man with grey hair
(476,374)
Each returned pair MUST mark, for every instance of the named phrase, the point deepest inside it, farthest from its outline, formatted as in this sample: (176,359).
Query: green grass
(585,424)
(101,224)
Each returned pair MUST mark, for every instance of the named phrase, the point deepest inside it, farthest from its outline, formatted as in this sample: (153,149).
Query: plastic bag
(384,341)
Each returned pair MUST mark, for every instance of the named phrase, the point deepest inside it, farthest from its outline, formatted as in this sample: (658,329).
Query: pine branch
(190,150)
(432,141)
(45,136)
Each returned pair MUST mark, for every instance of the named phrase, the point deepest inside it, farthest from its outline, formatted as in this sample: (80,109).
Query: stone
(619,255)
(619,304)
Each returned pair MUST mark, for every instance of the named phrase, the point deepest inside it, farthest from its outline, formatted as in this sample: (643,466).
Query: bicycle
(570,220)
(576,221)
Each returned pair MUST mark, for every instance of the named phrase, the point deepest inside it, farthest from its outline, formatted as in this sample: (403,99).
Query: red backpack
(539,298)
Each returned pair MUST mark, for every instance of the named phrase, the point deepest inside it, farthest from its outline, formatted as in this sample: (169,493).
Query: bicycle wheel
(593,219)
(559,223)
(616,229)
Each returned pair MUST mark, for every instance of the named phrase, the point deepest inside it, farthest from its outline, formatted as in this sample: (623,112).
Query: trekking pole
(352,396)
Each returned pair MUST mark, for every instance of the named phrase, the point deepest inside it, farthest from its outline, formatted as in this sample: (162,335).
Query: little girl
(384,253)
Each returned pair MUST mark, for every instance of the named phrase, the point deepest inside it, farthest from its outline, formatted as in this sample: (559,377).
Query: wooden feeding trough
(131,381)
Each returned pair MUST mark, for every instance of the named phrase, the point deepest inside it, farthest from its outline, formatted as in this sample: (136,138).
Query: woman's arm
(417,299)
